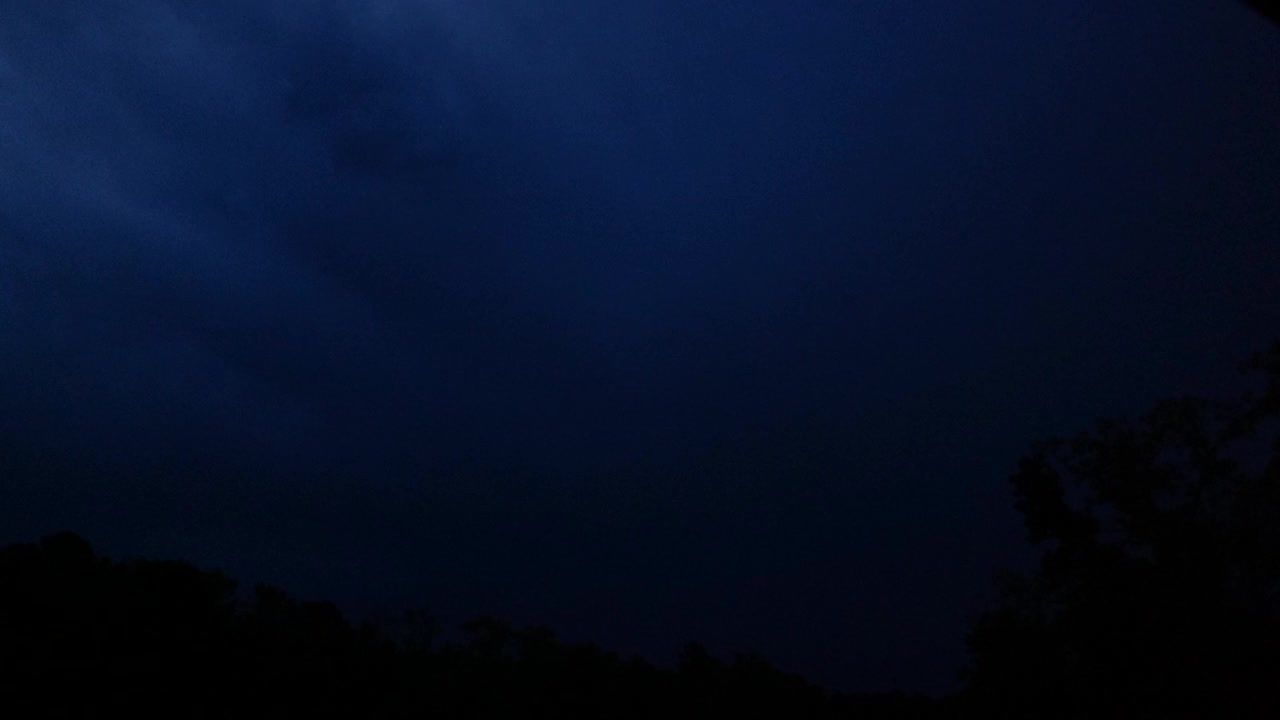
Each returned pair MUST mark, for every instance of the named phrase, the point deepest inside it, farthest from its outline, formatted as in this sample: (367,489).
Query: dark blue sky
(649,320)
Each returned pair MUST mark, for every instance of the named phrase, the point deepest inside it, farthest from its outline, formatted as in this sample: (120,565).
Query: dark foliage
(1158,590)
(1269,8)
(1157,595)
(81,634)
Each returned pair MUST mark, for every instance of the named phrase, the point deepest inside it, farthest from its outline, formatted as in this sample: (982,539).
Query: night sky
(649,320)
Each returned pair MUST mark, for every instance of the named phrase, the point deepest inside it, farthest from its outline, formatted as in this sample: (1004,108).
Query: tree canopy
(1158,588)
(1269,8)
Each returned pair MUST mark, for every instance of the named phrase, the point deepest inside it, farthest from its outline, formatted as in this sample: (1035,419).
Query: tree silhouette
(81,634)
(1158,590)
(1269,8)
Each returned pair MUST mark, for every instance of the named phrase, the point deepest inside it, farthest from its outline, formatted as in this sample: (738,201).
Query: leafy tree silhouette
(1269,8)
(1158,590)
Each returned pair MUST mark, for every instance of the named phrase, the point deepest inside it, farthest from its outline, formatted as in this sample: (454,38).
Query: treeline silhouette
(81,633)
(1157,595)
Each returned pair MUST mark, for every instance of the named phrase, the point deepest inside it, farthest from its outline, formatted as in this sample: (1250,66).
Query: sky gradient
(650,321)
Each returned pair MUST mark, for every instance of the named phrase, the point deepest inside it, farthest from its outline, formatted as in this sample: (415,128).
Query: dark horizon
(652,322)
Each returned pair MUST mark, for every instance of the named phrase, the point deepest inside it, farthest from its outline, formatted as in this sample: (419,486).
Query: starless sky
(651,320)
